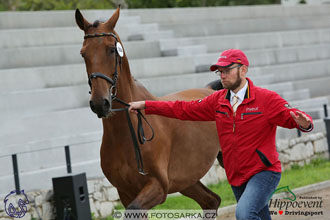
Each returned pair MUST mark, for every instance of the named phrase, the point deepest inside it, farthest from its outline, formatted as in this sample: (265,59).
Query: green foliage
(318,170)
(194,3)
(34,5)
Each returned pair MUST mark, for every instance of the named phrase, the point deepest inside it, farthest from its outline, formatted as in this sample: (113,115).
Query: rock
(292,142)
(282,144)
(98,196)
(98,186)
(49,195)
(320,135)
(93,208)
(90,186)
(112,194)
(284,158)
(320,145)
(305,139)
(106,183)
(106,209)
(301,152)
(301,163)
(2,205)
(210,177)
(27,216)
(313,137)
(97,205)
(39,200)
(221,173)
(47,211)
(35,213)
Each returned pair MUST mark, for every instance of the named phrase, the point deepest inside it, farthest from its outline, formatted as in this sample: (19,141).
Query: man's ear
(243,71)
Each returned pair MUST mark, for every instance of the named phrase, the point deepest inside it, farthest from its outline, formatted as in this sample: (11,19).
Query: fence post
(16,173)
(68,158)
(299,133)
(327,126)
(325,107)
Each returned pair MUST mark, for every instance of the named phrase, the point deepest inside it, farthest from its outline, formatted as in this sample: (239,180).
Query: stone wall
(103,197)
(302,150)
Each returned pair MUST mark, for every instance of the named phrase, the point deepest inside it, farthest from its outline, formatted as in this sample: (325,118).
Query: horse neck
(127,91)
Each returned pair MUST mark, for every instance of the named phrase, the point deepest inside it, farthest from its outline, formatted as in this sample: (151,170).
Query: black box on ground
(71,197)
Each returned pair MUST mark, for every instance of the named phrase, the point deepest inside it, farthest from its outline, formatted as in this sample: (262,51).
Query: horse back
(188,95)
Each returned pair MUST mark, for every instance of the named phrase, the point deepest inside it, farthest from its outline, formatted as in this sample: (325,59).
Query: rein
(113,97)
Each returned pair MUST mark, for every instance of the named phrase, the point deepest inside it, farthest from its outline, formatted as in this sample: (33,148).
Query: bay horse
(181,152)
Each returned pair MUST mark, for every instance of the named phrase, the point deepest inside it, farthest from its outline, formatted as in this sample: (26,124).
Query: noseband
(113,97)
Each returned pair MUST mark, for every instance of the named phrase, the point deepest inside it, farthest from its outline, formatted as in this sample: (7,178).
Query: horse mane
(215,85)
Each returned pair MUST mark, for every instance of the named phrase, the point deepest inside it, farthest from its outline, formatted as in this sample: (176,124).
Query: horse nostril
(106,103)
(91,104)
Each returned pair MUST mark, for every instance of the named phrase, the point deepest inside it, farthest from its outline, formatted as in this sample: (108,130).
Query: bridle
(113,97)
(113,81)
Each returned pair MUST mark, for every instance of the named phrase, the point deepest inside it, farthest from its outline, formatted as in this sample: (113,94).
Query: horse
(181,152)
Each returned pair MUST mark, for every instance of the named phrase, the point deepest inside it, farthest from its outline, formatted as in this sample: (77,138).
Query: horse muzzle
(100,107)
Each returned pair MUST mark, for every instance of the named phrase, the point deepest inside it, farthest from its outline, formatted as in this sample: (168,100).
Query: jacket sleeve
(278,113)
(198,110)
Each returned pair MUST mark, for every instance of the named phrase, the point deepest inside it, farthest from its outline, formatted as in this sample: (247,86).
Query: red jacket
(247,139)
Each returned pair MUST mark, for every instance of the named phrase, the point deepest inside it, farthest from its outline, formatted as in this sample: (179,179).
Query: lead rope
(140,133)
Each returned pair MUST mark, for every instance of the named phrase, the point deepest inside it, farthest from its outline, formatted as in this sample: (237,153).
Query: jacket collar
(249,94)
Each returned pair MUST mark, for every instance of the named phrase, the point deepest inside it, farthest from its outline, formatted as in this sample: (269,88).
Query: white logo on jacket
(252,109)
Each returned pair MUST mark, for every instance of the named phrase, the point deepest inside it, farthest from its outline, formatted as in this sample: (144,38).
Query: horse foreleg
(124,198)
(208,200)
(152,194)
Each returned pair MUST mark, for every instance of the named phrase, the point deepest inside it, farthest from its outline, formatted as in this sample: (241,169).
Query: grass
(317,171)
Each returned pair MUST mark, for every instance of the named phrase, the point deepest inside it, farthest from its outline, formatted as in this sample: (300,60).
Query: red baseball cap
(230,56)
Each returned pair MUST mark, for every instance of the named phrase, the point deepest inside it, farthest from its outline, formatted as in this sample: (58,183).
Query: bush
(34,5)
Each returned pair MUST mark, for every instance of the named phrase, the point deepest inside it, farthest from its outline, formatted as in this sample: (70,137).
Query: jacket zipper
(250,113)
(224,113)
(234,125)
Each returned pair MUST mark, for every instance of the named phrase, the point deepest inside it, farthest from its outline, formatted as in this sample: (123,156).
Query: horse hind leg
(208,200)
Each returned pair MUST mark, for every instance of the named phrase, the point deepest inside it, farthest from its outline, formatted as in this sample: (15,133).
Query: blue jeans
(253,196)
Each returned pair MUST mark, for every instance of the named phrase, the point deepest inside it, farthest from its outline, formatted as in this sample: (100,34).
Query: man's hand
(134,106)
(301,119)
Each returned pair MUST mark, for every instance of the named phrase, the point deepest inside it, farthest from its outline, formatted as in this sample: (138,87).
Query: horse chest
(119,169)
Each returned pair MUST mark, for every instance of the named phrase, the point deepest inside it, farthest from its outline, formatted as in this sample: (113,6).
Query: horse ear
(81,21)
(111,23)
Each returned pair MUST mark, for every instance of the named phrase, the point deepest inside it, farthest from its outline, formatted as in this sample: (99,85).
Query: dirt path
(319,199)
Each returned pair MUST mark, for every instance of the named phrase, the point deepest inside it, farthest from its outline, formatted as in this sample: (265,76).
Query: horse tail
(215,85)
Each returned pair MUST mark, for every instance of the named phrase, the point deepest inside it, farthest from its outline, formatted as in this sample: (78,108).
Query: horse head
(102,53)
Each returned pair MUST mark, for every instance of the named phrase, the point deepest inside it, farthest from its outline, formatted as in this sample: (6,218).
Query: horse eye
(111,50)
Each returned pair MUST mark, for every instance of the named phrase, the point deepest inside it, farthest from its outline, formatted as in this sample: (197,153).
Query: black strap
(97,74)
(140,116)
(140,133)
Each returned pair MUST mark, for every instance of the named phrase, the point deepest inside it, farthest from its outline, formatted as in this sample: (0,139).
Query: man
(246,118)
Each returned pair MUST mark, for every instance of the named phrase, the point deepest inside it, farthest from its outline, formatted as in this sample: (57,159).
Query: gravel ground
(320,199)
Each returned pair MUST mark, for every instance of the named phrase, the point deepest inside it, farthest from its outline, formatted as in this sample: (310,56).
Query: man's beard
(236,84)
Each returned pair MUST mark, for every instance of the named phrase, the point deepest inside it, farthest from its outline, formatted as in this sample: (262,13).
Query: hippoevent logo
(15,205)
(291,205)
